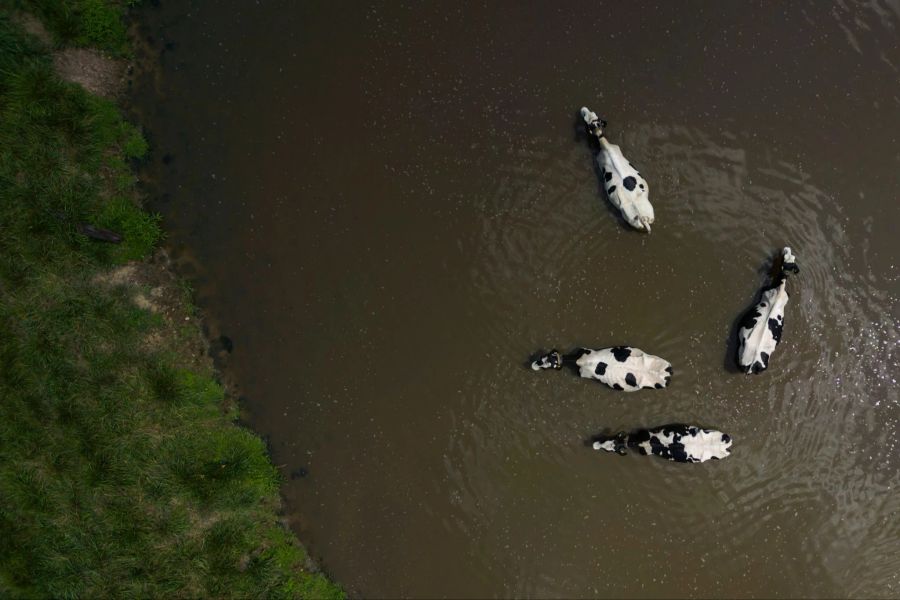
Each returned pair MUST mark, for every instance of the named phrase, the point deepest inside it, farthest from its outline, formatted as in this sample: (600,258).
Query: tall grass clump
(121,474)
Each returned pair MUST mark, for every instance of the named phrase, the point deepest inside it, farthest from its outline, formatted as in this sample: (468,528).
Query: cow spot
(765,359)
(616,386)
(662,452)
(675,430)
(658,386)
(629,183)
(639,437)
(678,453)
(726,438)
(621,353)
(669,369)
(601,368)
(749,319)
(641,186)
(631,380)
(607,175)
(611,190)
(775,327)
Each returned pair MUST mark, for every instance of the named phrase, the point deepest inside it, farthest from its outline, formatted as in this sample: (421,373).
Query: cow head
(551,360)
(789,261)
(616,443)
(595,125)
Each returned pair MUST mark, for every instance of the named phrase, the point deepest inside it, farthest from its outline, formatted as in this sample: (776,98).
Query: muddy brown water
(392,207)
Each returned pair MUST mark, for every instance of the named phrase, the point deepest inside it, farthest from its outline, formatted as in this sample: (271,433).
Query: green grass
(121,472)
(95,23)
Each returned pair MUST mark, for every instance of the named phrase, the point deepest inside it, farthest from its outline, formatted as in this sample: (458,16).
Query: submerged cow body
(676,442)
(760,329)
(624,185)
(621,367)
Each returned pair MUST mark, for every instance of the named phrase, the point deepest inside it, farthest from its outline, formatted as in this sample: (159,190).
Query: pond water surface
(390,207)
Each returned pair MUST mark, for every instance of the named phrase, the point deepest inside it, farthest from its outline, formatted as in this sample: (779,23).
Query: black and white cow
(625,187)
(681,443)
(621,368)
(760,329)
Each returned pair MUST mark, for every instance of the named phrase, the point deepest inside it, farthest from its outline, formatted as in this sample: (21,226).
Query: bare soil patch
(96,72)
(153,286)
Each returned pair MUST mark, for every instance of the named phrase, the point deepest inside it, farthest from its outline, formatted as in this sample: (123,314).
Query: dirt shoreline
(180,266)
(155,284)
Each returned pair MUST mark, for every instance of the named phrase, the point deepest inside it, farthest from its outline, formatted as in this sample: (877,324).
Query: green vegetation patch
(121,472)
(96,23)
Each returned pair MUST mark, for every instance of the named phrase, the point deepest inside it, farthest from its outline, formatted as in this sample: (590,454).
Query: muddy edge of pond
(143,75)
(143,67)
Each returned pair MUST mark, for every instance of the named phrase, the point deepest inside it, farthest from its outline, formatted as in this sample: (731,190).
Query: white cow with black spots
(621,368)
(760,329)
(625,187)
(677,442)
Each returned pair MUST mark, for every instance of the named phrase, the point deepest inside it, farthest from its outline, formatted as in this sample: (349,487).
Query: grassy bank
(121,470)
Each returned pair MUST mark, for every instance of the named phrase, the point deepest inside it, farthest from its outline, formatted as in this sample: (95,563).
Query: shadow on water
(731,345)
(534,357)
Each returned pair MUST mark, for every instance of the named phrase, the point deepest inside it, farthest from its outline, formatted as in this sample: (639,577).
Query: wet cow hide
(676,442)
(760,329)
(621,367)
(627,190)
